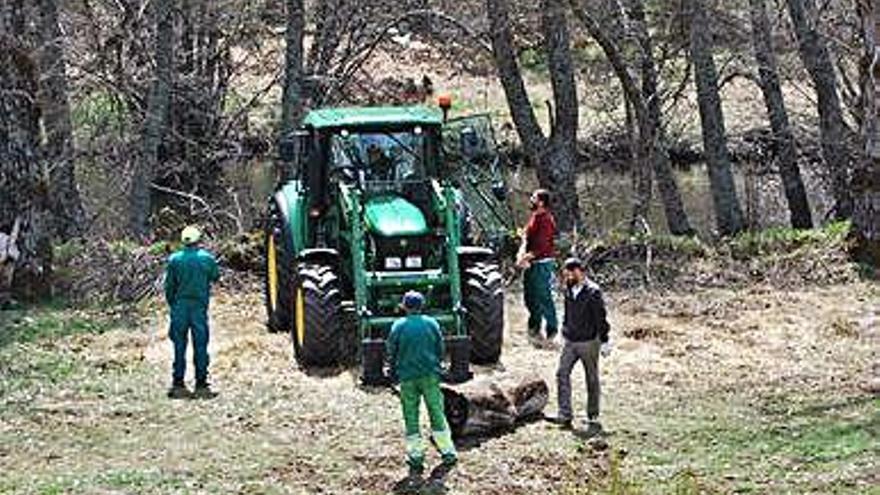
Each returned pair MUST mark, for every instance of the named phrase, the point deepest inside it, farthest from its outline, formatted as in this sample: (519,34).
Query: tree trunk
(673,207)
(784,143)
(59,149)
(833,131)
(155,120)
(507,65)
(291,99)
(25,213)
(643,142)
(327,37)
(728,213)
(483,407)
(866,180)
(557,168)
(554,158)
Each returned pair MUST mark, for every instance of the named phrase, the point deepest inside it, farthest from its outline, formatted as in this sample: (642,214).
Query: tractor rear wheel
(279,271)
(317,333)
(482,291)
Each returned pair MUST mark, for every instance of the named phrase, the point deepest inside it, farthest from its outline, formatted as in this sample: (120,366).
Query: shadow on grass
(469,442)
(434,484)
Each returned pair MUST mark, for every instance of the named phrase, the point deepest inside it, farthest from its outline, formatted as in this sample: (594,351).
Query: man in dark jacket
(188,278)
(585,332)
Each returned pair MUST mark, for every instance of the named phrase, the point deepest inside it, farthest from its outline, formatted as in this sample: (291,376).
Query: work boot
(178,390)
(203,391)
(449,460)
(415,469)
(564,423)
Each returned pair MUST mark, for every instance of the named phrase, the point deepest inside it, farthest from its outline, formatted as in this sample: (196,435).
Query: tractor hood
(393,216)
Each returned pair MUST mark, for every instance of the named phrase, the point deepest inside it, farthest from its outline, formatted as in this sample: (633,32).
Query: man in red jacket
(538,257)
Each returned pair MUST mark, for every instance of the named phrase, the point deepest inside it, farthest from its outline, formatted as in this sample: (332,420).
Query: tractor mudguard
(326,256)
(475,254)
(291,201)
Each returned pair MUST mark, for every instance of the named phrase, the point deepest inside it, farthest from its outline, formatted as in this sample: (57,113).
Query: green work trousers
(538,294)
(411,394)
(189,318)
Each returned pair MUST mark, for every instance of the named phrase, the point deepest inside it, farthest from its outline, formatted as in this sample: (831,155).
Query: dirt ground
(713,391)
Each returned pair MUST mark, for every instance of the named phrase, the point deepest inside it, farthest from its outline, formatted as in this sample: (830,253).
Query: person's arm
(600,316)
(531,228)
(438,335)
(213,270)
(391,345)
(170,283)
(523,256)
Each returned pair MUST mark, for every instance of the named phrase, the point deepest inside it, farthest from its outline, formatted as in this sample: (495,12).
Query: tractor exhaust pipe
(444,101)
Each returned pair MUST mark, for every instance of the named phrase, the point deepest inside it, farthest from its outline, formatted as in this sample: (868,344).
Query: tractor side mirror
(293,150)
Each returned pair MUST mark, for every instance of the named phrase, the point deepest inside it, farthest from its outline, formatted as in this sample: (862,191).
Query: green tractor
(377,201)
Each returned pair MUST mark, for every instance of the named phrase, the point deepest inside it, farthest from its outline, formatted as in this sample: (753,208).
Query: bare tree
(156,118)
(832,128)
(784,143)
(866,180)
(291,100)
(25,215)
(649,149)
(53,97)
(643,143)
(728,213)
(554,157)
(676,216)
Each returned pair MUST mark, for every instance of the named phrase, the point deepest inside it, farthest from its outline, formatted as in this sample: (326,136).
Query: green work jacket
(189,275)
(415,347)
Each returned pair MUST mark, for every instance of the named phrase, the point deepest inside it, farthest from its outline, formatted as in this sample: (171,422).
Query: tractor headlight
(393,263)
(413,262)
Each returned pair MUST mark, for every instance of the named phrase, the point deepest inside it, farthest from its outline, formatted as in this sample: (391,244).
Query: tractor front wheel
(317,332)
(482,291)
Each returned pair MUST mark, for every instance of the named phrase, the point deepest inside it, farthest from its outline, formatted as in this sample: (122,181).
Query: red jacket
(539,235)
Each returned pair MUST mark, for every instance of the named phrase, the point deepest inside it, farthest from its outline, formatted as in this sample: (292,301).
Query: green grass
(47,322)
(113,481)
(34,354)
(782,240)
(98,112)
(748,449)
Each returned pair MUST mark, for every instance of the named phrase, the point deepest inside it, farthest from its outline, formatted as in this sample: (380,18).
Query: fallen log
(486,406)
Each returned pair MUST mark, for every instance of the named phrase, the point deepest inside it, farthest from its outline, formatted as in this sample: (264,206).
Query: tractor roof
(373,116)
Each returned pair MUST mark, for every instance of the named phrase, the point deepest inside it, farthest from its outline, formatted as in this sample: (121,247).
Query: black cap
(573,263)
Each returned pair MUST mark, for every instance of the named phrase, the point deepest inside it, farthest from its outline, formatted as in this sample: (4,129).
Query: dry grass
(717,391)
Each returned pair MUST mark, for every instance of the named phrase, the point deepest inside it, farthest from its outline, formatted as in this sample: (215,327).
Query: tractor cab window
(370,157)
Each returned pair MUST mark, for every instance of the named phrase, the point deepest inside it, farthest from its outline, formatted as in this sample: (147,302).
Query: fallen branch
(182,194)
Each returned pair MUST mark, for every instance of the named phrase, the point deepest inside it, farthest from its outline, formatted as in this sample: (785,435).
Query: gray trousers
(588,354)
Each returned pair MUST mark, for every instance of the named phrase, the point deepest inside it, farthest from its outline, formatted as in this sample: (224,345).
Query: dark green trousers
(538,293)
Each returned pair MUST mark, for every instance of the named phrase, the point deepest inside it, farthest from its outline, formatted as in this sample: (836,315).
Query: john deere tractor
(375,202)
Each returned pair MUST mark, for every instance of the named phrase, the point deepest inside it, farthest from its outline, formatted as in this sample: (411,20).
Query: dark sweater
(585,317)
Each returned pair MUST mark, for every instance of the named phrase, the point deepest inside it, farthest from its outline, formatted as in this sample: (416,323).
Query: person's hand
(524,259)
(605,349)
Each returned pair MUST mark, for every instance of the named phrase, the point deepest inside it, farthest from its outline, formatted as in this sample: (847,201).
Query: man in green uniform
(415,348)
(188,278)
